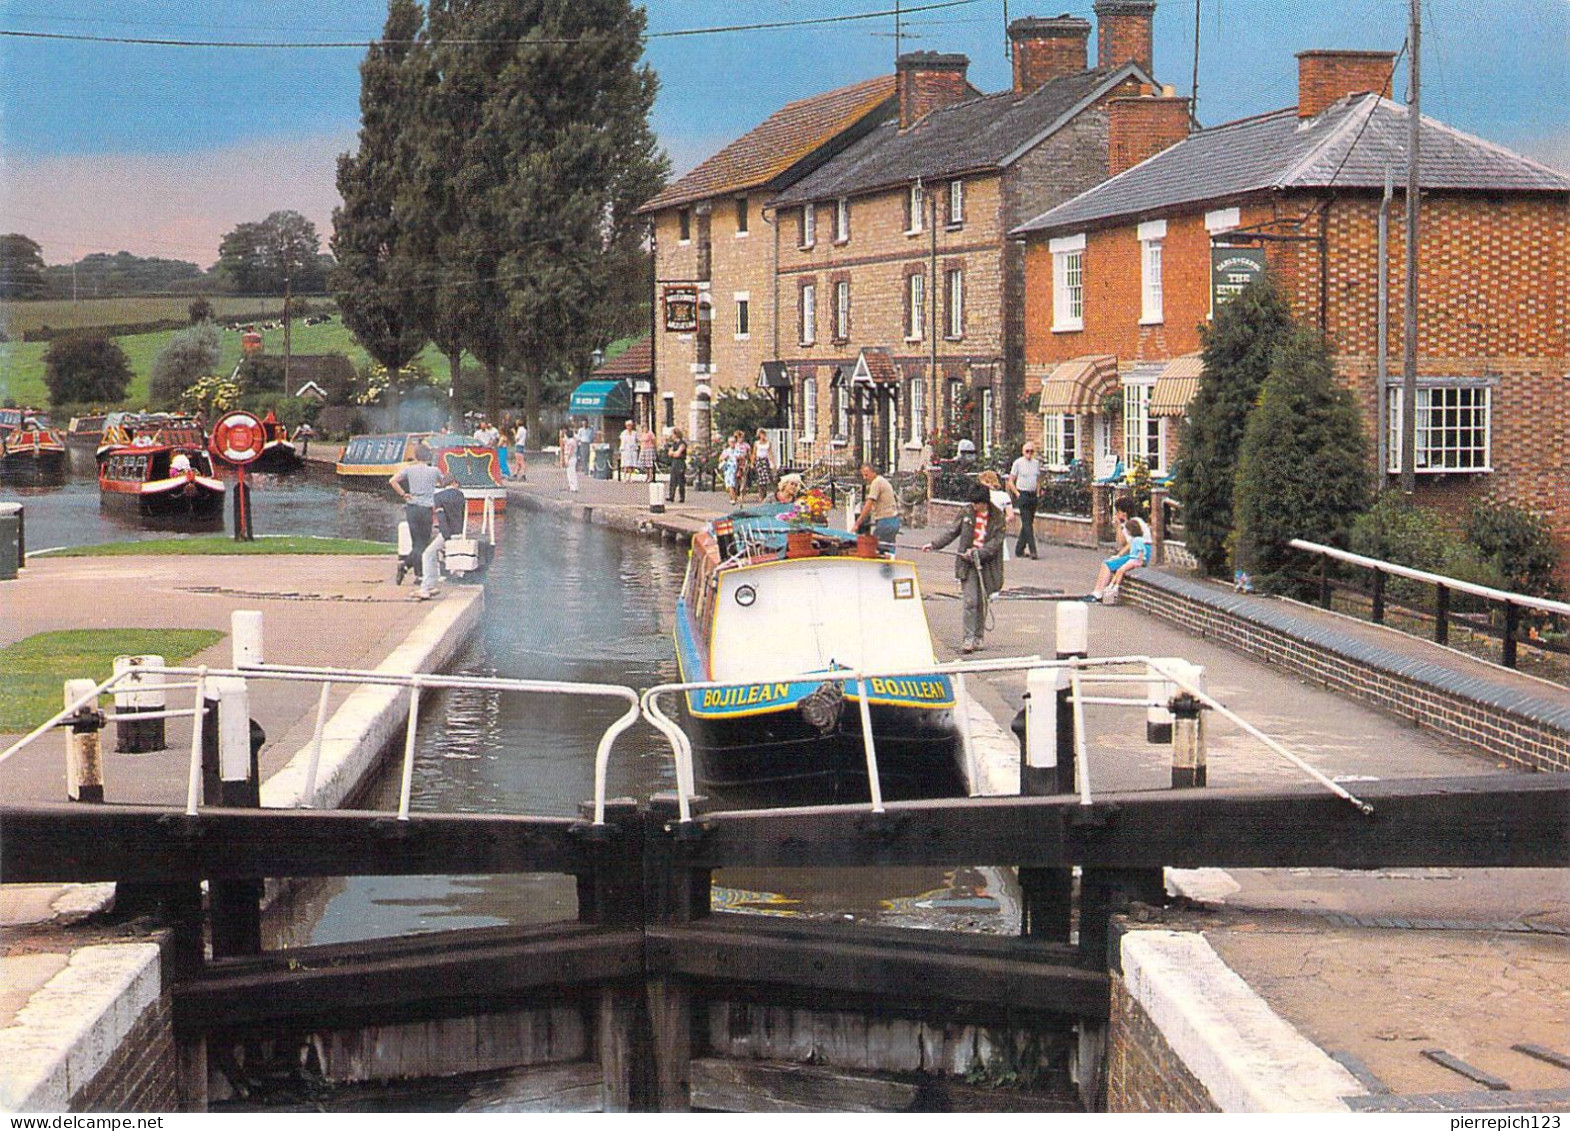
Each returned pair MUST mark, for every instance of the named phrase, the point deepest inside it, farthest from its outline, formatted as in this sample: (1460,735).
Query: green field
(22,364)
(18,318)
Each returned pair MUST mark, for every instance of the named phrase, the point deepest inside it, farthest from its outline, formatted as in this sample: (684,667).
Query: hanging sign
(1232,269)
(681,309)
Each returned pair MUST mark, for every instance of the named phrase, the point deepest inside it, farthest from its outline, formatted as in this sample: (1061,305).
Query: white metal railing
(1542,604)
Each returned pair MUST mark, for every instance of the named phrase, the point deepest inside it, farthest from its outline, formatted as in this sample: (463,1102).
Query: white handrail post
(867,744)
(308,797)
(1081,753)
(193,782)
(245,628)
(83,752)
(413,725)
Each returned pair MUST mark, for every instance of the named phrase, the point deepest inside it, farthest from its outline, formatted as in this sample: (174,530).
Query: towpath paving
(1377,965)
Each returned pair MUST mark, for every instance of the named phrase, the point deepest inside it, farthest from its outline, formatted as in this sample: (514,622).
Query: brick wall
(1533,735)
(1056,529)
(1143,1073)
(1045,49)
(1140,128)
(1325,77)
(142,1074)
(929,81)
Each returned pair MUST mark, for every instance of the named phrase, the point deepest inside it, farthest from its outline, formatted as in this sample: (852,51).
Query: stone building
(1121,278)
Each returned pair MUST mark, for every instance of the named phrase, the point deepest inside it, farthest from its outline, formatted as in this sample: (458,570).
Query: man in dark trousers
(978,564)
(416,485)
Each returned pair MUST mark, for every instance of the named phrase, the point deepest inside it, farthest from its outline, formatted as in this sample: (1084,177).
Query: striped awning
(1076,386)
(1176,386)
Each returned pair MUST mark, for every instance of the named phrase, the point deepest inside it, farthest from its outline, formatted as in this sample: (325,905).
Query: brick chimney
(1047,49)
(929,81)
(1326,77)
(1140,128)
(1123,33)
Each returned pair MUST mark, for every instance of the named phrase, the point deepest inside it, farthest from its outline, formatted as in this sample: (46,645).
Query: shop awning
(1176,386)
(1076,387)
(601,398)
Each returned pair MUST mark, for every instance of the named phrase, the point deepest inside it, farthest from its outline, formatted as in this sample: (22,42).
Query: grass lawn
(220,544)
(33,671)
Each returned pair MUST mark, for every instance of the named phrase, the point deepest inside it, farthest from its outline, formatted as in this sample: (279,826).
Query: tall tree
(1238,346)
(86,367)
(1302,469)
(376,278)
(21,267)
(262,257)
(539,125)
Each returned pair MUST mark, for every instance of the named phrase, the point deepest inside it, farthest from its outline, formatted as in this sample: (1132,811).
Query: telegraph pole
(897,31)
(1413,195)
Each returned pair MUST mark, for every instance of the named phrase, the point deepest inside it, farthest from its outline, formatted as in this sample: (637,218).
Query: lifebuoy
(238,438)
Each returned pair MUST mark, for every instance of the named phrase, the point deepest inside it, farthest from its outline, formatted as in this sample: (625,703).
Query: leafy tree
(1237,348)
(261,258)
(1518,542)
(191,354)
(200,311)
(735,409)
(86,366)
(376,270)
(21,268)
(533,123)
(211,397)
(1302,469)
(104,275)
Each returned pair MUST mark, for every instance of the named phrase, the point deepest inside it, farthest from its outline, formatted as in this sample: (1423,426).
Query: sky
(160,150)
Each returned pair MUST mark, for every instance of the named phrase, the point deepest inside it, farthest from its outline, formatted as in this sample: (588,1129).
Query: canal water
(565,600)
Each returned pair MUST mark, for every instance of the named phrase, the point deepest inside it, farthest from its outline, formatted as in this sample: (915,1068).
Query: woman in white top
(763,465)
(629,451)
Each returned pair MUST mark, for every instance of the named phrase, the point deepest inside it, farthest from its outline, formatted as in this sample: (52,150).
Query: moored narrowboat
(160,481)
(476,467)
(371,460)
(31,451)
(768,601)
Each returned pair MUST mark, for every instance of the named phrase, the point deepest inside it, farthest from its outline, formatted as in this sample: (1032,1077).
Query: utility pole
(1413,196)
(1193,88)
(897,32)
(287,277)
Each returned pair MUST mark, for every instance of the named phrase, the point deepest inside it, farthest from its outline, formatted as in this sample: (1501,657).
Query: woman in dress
(730,469)
(646,448)
(762,464)
(629,450)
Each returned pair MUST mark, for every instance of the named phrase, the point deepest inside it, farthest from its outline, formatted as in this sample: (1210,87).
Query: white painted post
(141,691)
(656,497)
(245,627)
(84,769)
(1040,774)
(234,729)
(1158,715)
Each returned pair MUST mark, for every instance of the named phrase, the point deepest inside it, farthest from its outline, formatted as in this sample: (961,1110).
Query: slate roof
(986,132)
(787,137)
(1348,145)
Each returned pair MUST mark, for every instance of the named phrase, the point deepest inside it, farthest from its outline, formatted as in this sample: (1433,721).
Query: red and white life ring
(238,438)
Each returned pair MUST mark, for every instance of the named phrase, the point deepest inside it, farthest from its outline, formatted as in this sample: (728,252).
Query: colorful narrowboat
(32,452)
(160,481)
(476,467)
(769,606)
(369,461)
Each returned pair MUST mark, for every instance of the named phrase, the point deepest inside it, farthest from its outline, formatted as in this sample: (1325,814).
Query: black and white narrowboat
(765,604)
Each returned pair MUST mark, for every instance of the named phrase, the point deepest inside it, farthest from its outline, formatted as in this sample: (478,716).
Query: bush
(1518,544)
(1302,469)
(1396,530)
(86,367)
(191,354)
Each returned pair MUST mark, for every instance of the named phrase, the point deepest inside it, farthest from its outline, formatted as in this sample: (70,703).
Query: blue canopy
(601,398)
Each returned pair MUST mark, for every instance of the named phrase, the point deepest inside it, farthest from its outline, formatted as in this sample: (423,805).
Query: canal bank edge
(106,1013)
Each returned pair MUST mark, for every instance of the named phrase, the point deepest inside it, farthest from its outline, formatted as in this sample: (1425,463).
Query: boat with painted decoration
(476,467)
(32,452)
(160,481)
(151,430)
(768,602)
(371,460)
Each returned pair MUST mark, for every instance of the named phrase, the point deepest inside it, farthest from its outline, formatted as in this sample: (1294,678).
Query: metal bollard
(245,628)
(84,767)
(1036,726)
(1188,732)
(141,692)
(656,497)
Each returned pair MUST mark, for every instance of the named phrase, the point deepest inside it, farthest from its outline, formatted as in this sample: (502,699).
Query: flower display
(811,509)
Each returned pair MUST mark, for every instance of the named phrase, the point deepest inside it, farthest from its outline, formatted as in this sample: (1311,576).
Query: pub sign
(681,309)
(1232,269)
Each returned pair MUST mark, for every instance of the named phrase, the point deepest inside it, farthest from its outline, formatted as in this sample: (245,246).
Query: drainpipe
(934,383)
(1382,371)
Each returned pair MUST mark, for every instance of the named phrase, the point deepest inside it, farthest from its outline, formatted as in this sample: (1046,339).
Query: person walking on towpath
(978,564)
(569,458)
(416,485)
(629,451)
(1024,483)
(676,449)
(880,508)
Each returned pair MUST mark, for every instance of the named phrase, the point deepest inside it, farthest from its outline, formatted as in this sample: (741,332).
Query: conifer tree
(1238,346)
(377,278)
(1302,469)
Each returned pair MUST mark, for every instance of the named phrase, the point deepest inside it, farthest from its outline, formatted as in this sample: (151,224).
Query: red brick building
(1120,279)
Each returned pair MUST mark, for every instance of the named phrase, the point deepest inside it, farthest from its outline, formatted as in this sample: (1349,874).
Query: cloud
(175,207)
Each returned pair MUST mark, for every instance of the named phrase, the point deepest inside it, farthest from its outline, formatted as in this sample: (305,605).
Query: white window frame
(1059,440)
(743,300)
(954,280)
(809,408)
(842,310)
(1144,435)
(842,220)
(915,306)
(842,411)
(918,205)
(809,225)
(918,412)
(1449,456)
(989,421)
(956,203)
(1151,237)
(1068,283)
(809,314)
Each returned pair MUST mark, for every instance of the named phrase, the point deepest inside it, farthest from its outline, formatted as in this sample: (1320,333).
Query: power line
(282,45)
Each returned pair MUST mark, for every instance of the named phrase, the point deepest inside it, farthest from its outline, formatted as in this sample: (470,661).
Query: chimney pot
(928,81)
(1047,48)
(1326,77)
(1124,33)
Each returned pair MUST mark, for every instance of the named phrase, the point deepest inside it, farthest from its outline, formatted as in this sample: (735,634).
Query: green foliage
(1518,543)
(1302,468)
(200,310)
(104,275)
(190,355)
(1238,346)
(86,367)
(291,412)
(261,257)
(738,409)
(220,545)
(21,267)
(211,396)
(1396,530)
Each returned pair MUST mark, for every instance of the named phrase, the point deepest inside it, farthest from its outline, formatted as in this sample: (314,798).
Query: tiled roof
(986,132)
(1349,145)
(637,360)
(879,365)
(787,137)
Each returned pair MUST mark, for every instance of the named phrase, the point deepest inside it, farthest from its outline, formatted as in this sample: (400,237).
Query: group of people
(638,448)
(509,441)
(435,510)
(748,466)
